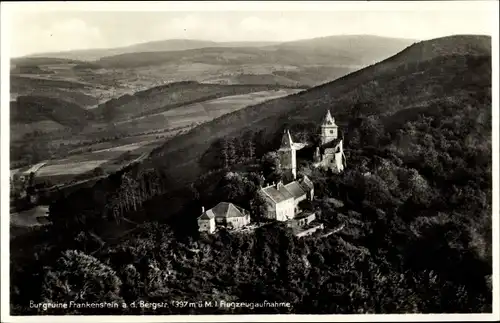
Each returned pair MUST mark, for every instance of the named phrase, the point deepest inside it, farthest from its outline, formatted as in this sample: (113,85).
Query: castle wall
(238,222)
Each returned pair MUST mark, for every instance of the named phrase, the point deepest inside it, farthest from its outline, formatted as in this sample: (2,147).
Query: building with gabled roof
(298,193)
(283,200)
(224,214)
(280,202)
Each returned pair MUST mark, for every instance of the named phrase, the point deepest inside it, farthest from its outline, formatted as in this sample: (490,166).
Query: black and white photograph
(249,161)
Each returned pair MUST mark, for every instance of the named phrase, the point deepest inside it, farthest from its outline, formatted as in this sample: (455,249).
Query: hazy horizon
(216,42)
(43,31)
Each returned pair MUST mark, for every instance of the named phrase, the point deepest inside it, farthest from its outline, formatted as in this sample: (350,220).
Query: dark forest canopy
(416,211)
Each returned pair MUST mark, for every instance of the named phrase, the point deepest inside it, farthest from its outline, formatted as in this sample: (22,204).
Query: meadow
(201,112)
(115,154)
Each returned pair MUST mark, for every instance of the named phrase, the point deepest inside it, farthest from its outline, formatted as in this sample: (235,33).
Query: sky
(42,27)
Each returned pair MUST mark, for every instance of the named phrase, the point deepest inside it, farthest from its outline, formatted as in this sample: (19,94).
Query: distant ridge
(331,42)
(153,46)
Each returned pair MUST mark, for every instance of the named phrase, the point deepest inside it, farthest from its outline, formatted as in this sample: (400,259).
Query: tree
(271,166)
(371,130)
(31,179)
(80,278)
(98,171)
(306,205)
(258,207)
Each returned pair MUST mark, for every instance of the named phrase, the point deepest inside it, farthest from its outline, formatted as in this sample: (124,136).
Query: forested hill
(416,219)
(446,67)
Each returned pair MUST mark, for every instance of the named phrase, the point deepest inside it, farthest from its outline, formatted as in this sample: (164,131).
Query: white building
(283,200)
(206,221)
(230,215)
(298,193)
(223,214)
(280,203)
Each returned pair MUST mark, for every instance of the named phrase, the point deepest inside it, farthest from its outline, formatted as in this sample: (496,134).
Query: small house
(206,221)
(230,216)
(223,214)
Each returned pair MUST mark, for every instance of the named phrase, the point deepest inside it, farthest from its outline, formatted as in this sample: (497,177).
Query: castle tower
(287,153)
(329,130)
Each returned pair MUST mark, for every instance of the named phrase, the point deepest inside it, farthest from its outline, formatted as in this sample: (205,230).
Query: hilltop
(344,50)
(369,49)
(152,46)
(413,203)
(452,66)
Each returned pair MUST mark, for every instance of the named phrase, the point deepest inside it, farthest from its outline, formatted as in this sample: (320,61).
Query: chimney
(202,209)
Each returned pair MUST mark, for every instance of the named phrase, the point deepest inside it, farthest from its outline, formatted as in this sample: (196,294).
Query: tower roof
(328,120)
(286,140)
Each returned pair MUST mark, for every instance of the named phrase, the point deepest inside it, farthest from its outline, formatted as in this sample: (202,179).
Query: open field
(28,218)
(115,154)
(18,130)
(74,168)
(202,112)
(109,159)
(110,155)
(123,148)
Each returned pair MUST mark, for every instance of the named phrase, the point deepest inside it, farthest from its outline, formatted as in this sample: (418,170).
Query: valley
(116,154)
(139,135)
(68,109)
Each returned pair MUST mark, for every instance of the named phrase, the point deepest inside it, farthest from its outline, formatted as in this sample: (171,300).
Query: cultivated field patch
(122,148)
(18,130)
(201,112)
(73,168)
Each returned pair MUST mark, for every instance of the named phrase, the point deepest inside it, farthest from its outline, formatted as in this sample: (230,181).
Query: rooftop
(277,195)
(295,189)
(224,209)
(328,120)
(305,181)
(286,140)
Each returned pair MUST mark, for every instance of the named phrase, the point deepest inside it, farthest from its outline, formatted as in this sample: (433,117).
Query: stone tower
(329,130)
(287,153)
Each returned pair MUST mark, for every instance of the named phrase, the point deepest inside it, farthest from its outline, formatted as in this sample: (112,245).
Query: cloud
(57,36)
